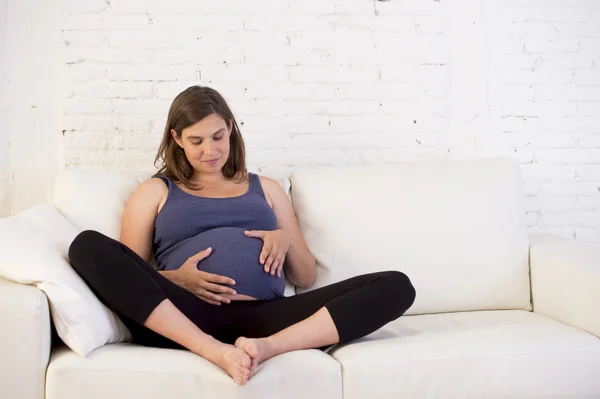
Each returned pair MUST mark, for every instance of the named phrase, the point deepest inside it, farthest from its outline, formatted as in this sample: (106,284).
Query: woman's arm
(140,212)
(300,265)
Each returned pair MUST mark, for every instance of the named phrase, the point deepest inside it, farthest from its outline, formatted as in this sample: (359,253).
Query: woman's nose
(208,148)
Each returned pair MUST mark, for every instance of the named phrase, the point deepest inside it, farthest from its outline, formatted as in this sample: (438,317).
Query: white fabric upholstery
(24,341)
(565,282)
(457,229)
(130,371)
(488,354)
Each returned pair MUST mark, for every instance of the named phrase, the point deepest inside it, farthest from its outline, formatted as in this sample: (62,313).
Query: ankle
(206,346)
(270,346)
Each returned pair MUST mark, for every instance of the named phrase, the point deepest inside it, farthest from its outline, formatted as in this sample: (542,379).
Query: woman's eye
(218,138)
(197,143)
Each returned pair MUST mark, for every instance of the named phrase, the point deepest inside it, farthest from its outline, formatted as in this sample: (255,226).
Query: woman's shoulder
(151,190)
(156,183)
(265,181)
(273,189)
(269,183)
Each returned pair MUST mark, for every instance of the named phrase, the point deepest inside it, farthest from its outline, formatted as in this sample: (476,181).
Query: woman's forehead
(209,126)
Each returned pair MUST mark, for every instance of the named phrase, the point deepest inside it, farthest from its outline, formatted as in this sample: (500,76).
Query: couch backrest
(95,198)
(456,228)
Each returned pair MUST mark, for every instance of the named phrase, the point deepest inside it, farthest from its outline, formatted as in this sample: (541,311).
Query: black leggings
(132,288)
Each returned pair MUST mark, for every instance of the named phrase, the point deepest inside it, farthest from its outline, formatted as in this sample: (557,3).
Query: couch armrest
(25,340)
(565,281)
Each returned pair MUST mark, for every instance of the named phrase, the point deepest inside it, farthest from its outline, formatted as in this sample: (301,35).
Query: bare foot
(235,361)
(258,349)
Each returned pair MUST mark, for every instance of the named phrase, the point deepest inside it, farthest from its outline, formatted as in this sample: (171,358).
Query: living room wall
(320,82)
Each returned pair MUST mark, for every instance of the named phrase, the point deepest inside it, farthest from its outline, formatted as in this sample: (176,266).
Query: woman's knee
(85,244)
(400,286)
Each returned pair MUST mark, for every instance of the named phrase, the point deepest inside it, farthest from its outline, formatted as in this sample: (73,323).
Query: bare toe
(253,365)
(236,363)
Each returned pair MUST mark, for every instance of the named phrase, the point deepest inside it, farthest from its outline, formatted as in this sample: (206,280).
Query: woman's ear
(176,138)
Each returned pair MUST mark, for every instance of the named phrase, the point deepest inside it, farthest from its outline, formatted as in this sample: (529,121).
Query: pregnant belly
(233,255)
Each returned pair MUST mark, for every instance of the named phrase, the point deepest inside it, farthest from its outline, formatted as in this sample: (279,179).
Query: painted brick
(79,106)
(84,39)
(590,45)
(151,39)
(288,23)
(587,78)
(196,22)
(103,89)
(549,13)
(71,7)
(543,45)
(353,75)
(105,22)
(568,156)
(151,73)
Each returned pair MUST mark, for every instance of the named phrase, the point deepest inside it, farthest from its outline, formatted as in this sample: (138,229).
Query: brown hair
(190,106)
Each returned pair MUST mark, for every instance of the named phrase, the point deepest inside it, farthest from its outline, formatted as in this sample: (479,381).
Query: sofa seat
(131,371)
(483,354)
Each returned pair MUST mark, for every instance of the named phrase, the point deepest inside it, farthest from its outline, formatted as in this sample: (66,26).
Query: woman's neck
(208,178)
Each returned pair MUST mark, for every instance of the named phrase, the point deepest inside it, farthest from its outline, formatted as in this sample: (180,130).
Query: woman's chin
(211,167)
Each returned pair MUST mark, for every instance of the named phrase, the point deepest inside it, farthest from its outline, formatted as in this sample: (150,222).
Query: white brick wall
(353,81)
(325,82)
(549,108)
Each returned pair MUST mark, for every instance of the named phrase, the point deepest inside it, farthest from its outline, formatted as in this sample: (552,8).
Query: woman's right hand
(206,286)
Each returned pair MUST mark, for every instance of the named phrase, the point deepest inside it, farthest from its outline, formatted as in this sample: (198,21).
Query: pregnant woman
(223,240)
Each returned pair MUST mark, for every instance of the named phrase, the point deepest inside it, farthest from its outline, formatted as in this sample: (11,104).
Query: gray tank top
(187,224)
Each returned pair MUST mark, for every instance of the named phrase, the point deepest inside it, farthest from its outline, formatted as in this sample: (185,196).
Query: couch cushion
(130,371)
(457,229)
(489,354)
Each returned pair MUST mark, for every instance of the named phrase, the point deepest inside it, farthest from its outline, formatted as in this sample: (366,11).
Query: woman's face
(206,144)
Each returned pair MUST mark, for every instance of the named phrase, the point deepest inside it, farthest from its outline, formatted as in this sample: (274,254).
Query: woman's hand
(204,285)
(275,247)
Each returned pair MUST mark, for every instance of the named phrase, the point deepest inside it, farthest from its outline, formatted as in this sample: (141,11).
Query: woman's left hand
(275,247)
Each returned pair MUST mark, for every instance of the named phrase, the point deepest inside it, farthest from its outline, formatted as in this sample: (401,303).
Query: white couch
(499,313)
